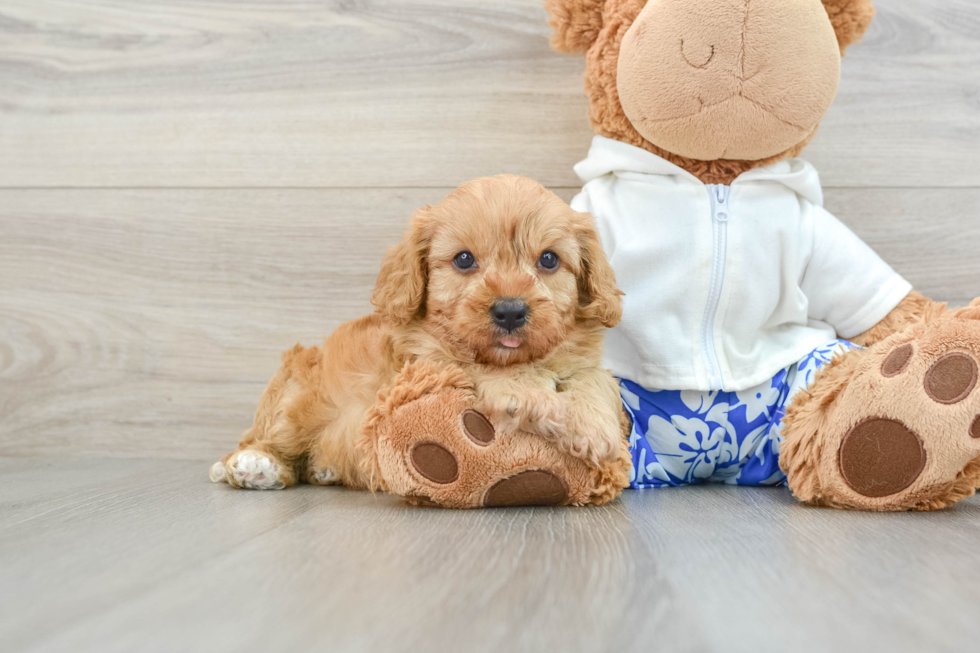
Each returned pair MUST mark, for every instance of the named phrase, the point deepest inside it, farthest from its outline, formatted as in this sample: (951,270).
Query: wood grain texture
(147,322)
(393,93)
(242,165)
(149,556)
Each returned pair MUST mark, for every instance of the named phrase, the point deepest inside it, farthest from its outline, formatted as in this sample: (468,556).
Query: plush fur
(318,418)
(625,49)
(598,28)
(694,86)
(853,388)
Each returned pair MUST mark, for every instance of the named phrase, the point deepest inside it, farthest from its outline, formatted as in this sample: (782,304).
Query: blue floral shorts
(689,436)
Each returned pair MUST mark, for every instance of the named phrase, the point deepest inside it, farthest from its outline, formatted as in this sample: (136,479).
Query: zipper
(720,214)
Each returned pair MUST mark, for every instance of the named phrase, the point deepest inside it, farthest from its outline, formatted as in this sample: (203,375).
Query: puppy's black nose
(509,314)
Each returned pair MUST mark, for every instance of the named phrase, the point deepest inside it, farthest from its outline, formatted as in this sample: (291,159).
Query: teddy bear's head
(715,86)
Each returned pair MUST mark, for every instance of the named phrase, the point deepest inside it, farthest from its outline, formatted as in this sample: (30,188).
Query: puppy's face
(503,279)
(505,270)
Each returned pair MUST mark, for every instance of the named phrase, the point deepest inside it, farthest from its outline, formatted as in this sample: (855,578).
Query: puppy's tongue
(512,342)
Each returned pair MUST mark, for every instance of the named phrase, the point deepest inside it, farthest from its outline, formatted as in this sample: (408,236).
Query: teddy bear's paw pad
(536,487)
(255,471)
(880,457)
(435,462)
(975,428)
(897,361)
(478,428)
(951,379)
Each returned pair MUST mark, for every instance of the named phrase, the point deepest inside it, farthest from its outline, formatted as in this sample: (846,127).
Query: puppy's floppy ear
(850,18)
(399,293)
(599,298)
(576,23)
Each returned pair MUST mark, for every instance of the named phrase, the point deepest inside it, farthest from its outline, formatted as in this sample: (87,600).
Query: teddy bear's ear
(576,23)
(850,18)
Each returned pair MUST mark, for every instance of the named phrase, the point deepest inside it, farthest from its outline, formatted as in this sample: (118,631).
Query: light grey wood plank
(406,93)
(149,556)
(158,318)
(146,323)
(927,235)
(906,113)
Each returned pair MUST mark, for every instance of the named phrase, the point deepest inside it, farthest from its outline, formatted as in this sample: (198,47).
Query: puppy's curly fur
(542,377)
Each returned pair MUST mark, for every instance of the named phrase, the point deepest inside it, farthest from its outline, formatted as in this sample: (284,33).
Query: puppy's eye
(549,261)
(464,261)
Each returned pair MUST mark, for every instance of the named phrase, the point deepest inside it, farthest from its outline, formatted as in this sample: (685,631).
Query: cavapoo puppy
(501,280)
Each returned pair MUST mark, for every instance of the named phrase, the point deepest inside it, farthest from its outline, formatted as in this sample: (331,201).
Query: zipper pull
(721,206)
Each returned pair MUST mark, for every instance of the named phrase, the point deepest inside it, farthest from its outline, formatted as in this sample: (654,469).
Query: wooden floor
(188,187)
(148,556)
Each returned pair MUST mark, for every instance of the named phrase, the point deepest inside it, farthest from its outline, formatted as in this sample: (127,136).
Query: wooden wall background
(187,187)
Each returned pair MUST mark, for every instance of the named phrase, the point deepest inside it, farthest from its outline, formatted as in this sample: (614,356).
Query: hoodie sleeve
(845,282)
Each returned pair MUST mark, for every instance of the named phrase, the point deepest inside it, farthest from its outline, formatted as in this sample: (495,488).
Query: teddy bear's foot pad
(880,457)
(951,379)
(436,449)
(478,428)
(437,464)
(908,421)
(535,487)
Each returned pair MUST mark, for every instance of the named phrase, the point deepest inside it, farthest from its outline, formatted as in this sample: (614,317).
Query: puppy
(501,280)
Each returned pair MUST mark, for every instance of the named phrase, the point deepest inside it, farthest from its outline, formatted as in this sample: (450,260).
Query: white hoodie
(725,285)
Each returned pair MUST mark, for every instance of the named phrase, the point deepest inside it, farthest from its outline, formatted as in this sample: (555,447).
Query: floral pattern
(681,437)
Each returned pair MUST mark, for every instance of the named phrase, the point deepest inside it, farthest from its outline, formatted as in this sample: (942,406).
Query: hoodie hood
(608,156)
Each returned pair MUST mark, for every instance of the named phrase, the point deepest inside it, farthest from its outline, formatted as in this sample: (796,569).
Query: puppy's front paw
(538,412)
(544,413)
(592,434)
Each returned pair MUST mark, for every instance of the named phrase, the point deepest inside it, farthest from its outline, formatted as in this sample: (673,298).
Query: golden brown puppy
(501,279)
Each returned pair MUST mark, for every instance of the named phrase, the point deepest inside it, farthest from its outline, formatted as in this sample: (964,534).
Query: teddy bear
(762,343)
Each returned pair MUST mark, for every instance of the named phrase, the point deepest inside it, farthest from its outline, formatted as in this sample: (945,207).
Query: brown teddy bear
(761,343)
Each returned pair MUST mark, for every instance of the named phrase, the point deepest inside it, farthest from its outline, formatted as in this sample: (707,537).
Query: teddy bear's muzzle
(718,79)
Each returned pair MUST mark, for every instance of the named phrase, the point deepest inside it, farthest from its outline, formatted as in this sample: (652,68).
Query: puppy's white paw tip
(217,472)
(256,471)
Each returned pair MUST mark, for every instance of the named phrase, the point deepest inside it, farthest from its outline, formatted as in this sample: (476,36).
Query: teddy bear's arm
(913,309)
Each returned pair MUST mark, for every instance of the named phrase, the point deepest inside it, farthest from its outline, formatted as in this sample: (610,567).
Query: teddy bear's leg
(430,446)
(892,427)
